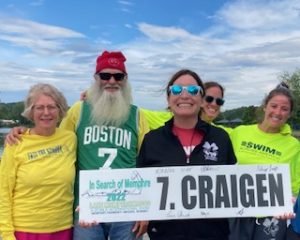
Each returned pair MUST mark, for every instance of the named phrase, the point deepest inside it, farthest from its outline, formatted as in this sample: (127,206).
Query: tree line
(12,111)
(248,115)
(253,114)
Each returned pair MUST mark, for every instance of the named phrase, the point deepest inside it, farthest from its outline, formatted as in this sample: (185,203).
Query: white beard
(109,108)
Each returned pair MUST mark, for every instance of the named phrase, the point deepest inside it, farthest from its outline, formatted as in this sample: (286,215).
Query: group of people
(37,175)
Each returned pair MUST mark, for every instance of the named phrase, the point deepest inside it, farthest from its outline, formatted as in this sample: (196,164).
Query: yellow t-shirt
(157,119)
(36,182)
(253,146)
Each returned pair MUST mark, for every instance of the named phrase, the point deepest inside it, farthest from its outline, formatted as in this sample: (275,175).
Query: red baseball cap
(113,60)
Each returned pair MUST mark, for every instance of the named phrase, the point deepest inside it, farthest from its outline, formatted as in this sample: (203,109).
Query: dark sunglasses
(193,90)
(106,76)
(210,99)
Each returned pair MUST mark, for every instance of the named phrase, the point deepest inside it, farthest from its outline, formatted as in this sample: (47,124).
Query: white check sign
(212,191)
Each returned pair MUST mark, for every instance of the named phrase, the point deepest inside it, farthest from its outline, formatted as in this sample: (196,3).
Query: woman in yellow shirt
(268,142)
(37,175)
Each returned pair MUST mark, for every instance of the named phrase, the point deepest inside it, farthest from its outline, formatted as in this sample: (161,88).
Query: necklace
(188,138)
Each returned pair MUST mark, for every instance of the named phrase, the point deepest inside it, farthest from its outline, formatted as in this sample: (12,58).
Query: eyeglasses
(41,108)
(210,99)
(193,90)
(106,76)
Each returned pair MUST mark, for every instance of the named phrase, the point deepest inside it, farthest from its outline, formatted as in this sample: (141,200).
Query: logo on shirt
(271,226)
(45,152)
(210,151)
(256,147)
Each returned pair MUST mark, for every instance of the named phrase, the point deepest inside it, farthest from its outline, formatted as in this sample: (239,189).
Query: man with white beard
(109,130)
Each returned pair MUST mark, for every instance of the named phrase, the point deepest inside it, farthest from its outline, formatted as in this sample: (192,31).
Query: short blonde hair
(48,90)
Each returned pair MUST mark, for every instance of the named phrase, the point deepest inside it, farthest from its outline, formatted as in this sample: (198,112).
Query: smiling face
(45,115)
(210,110)
(185,104)
(277,112)
(110,97)
(111,85)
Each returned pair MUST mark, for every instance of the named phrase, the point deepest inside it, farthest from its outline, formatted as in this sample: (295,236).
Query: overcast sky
(244,45)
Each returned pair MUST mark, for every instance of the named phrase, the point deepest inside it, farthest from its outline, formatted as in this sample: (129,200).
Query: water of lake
(3,132)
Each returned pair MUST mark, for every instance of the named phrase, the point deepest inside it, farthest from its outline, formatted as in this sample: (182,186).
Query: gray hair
(48,90)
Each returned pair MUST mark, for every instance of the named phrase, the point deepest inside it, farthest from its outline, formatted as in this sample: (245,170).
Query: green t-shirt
(105,146)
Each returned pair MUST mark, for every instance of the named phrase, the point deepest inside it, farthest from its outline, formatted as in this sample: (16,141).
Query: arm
(140,228)
(295,171)
(84,94)
(71,120)
(227,129)
(295,178)
(15,135)
(296,222)
(8,170)
(143,128)
(140,162)
(231,156)
(156,119)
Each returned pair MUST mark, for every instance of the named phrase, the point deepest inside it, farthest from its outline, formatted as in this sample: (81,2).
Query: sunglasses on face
(193,90)
(107,76)
(210,99)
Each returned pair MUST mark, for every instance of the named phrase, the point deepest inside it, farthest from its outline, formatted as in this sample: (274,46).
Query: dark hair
(185,72)
(281,89)
(211,84)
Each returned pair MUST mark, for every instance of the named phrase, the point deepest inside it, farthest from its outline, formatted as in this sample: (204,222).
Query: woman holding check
(274,135)
(186,140)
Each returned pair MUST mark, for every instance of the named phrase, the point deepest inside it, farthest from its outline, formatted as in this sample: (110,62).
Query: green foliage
(253,114)
(247,114)
(12,111)
(233,113)
(293,80)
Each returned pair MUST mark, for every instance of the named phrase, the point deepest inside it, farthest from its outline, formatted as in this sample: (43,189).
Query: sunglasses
(107,76)
(210,99)
(193,90)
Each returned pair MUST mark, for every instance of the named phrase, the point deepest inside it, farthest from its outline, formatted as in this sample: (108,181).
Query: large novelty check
(212,191)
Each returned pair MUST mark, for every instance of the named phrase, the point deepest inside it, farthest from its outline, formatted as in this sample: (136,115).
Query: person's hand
(140,228)
(85,224)
(83,95)
(289,215)
(14,135)
(285,216)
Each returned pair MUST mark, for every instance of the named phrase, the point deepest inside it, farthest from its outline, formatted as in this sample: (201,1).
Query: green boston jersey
(105,146)
(253,146)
